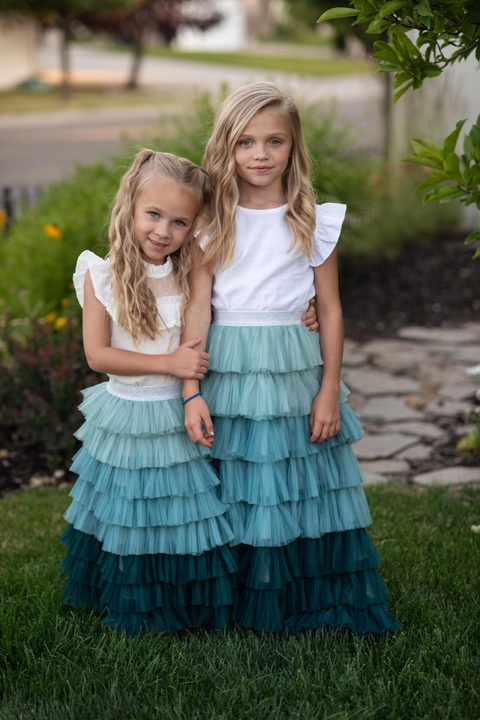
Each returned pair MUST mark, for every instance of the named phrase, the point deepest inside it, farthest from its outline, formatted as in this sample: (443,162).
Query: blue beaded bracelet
(191,397)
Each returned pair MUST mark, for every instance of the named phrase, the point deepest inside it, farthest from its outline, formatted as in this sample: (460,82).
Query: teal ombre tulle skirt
(148,537)
(297,510)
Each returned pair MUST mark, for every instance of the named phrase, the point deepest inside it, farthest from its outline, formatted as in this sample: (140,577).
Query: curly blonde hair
(234,114)
(136,305)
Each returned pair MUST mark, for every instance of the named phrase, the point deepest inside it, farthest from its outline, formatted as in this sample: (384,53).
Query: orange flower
(50,317)
(3,218)
(53,231)
(64,302)
(60,323)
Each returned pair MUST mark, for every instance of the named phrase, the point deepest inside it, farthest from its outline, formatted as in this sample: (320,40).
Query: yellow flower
(64,302)
(50,317)
(52,231)
(60,323)
(3,218)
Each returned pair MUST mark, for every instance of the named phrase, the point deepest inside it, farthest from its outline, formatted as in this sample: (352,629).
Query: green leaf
(426,162)
(420,146)
(390,8)
(423,8)
(388,67)
(439,24)
(443,194)
(452,167)
(451,140)
(477,253)
(431,71)
(473,236)
(474,135)
(385,51)
(434,178)
(336,13)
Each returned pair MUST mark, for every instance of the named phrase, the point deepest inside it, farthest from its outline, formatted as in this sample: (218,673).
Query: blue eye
(180,223)
(245,143)
(275,142)
(153,214)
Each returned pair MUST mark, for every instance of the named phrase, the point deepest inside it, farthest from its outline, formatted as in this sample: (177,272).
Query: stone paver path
(414,396)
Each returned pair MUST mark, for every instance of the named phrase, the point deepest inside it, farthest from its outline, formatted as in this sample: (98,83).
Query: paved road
(41,148)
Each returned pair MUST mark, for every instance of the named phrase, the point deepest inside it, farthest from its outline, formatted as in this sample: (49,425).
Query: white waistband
(144,392)
(222,317)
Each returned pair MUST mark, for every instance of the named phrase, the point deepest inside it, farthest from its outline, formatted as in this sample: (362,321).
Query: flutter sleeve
(100,274)
(330,217)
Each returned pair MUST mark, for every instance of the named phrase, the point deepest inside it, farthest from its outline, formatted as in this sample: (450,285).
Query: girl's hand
(197,417)
(188,363)
(324,417)
(309,319)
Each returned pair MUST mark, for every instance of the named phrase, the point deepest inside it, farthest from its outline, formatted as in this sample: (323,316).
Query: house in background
(18,44)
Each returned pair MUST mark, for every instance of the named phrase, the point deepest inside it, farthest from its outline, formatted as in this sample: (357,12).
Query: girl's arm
(198,316)
(183,363)
(325,412)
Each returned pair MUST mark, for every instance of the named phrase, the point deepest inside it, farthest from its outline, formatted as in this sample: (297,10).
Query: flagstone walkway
(414,397)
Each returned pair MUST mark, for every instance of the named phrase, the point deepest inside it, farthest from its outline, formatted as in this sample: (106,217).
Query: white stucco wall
(229,34)
(17,51)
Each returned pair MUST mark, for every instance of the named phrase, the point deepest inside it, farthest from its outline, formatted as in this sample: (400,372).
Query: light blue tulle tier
(277,525)
(253,349)
(103,410)
(268,441)
(263,396)
(155,593)
(133,453)
(183,479)
(292,479)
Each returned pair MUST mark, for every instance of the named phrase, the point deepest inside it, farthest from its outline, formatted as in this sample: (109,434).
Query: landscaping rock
(388,467)
(370,382)
(447,408)
(389,409)
(455,336)
(448,476)
(469,355)
(373,479)
(419,429)
(381,446)
(415,453)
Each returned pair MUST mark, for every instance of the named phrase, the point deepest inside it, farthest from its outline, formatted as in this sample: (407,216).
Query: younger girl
(282,427)
(148,535)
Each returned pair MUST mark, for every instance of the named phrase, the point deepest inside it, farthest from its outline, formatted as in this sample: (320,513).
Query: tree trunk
(388,134)
(138,52)
(264,19)
(66,90)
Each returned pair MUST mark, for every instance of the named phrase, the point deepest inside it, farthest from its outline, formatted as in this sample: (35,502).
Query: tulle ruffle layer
(259,349)
(263,396)
(159,593)
(311,583)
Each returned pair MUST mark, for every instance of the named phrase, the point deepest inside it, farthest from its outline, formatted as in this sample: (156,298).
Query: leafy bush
(42,371)
(39,255)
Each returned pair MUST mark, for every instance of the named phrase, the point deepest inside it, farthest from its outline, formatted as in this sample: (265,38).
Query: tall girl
(147,540)
(282,427)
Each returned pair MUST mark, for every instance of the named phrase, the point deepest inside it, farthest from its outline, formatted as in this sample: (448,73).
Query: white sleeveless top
(265,274)
(162,283)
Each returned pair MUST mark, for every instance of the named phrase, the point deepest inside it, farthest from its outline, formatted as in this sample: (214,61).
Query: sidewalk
(413,395)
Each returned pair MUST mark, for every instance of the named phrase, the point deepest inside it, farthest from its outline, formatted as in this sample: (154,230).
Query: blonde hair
(136,305)
(234,114)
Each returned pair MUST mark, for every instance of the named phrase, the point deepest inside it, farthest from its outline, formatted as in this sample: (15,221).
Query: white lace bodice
(163,284)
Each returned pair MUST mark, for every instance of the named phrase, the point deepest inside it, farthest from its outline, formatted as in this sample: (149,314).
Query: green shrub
(42,371)
(39,255)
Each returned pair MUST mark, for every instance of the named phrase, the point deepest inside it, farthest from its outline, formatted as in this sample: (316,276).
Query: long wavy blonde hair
(234,114)
(136,305)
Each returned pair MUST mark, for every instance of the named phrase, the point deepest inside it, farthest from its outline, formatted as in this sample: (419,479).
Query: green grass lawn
(83,98)
(59,663)
(275,63)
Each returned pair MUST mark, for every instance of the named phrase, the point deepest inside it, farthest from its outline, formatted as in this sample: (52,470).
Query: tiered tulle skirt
(297,510)
(148,538)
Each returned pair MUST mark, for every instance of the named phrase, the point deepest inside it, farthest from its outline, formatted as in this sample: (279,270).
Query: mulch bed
(432,284)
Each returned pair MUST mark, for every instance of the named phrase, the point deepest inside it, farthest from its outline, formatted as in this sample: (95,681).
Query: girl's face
(163,216)
(263,150)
